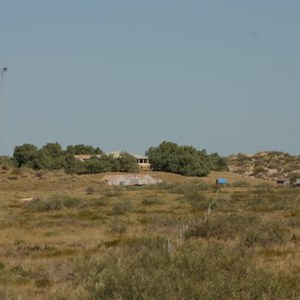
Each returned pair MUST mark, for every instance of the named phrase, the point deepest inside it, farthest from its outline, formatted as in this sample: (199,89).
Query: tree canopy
(52,157)
(25,155)
(184,160)
(168,157)
(81,149)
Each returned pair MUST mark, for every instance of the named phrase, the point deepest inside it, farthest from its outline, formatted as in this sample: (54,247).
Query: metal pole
(3,70)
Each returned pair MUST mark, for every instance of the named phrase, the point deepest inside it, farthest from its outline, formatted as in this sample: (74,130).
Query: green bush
(240,183)
(54,202)
(122,207)
(199,201)
(183,160)
(115,192)
(162,220)
(151,201)
(97,202)
(119,228)
(145,269)
(90,190)
(294,222)
(270,200)
(266,235)
(222,227)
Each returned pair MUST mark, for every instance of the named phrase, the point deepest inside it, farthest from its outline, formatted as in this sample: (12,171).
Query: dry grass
(41,244)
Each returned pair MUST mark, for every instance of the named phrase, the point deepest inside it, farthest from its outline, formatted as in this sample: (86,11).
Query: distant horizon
(217,75)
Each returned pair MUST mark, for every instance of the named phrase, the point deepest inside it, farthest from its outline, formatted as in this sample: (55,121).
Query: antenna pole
(2,70)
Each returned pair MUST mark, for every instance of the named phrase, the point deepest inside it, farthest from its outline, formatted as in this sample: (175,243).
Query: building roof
(117,154)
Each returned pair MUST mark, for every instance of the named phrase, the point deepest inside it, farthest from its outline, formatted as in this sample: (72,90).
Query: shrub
(265,235)
(184,160)
(122,207)
(201,202)
(294,222)
(144,269)
(54,202)
(21,275)
(222,227)
(38,204)
(39,173)
(161,220)
(240,183)
(42,282)
(190,188)
(118,228)
(150,201)
(90,190)
(97,202)
(115,192)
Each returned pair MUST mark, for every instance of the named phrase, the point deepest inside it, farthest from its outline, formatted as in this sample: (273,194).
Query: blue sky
(126,75)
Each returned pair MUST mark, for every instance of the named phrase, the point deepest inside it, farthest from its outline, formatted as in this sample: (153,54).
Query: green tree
(51,157)
(127,163)
(184,160)
(217,162)
(73,165)
(25,155)
(81,149)
(101,164)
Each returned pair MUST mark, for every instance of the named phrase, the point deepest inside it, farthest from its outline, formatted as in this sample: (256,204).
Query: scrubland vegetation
(167,157)
(267,164)
(71,237)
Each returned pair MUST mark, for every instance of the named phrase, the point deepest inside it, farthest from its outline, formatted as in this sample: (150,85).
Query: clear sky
(126,75)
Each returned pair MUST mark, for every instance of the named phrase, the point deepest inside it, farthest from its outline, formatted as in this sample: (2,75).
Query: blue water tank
(221,181)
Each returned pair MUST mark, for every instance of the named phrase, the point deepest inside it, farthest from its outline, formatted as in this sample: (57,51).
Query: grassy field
(71,237)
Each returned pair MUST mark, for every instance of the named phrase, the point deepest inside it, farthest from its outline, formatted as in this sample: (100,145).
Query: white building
(142,160)
(129,179)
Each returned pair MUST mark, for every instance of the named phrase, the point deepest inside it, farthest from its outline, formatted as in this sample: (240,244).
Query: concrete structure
(129,180)
(283,182)
(297,183)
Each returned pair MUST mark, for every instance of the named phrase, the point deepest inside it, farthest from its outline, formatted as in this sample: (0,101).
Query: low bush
(97,202)
(152,201)
(118,226)
(161,220)
(115,192)
(54,202)
(183,188)
(266,235)
(145,269)
(222,227)
(122,207)
(199,201)
(294,222)
(240,183)
(90,190)
(270,201)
